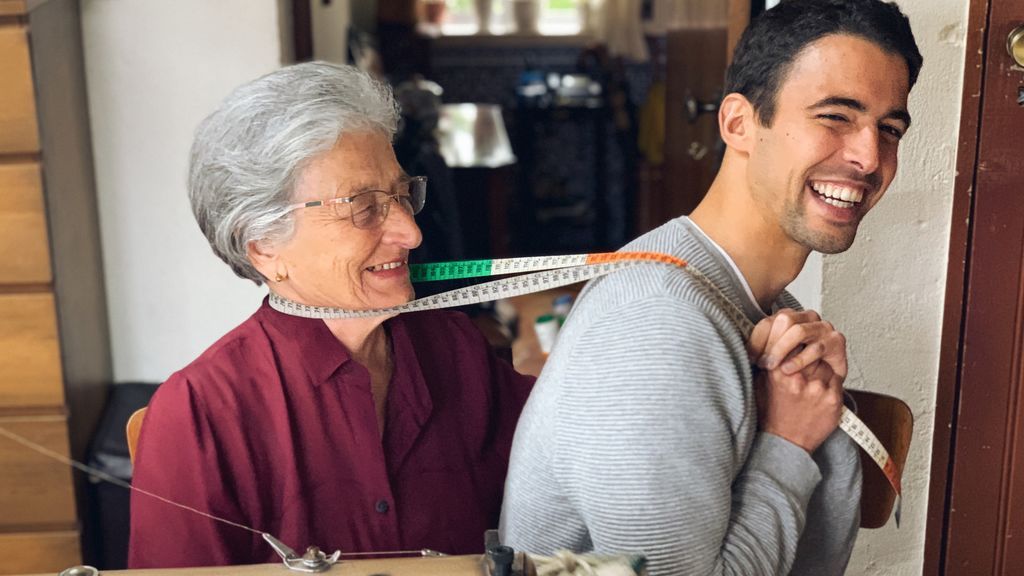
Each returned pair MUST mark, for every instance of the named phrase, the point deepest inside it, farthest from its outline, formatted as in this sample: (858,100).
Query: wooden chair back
(893,423)
(132,430)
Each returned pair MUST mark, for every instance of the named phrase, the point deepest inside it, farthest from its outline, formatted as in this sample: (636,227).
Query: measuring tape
(546,272)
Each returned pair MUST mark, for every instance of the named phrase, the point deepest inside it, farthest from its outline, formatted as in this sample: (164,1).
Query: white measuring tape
(545,272)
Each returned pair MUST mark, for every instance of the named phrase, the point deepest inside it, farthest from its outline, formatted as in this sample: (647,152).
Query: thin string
(112,479)
(118,482)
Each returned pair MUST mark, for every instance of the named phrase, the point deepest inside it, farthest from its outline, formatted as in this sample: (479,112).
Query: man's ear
(264,257)
(736,122)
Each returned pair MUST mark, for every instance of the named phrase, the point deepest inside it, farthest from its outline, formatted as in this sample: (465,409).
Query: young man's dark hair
(773,40)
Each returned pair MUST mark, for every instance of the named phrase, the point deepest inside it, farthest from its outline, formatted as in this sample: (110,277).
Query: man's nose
(862,150)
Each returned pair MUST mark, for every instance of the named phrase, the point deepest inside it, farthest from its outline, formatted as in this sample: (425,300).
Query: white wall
(154,69)
(807,286)
(887,292)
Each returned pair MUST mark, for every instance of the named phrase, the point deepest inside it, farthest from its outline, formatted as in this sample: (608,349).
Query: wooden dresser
(55,365)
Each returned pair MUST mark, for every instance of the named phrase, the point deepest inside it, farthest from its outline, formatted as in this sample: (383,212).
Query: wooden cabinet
(54,345)
(24,247)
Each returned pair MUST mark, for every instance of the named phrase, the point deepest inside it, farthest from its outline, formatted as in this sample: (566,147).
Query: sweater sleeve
(833,514)
(654,399)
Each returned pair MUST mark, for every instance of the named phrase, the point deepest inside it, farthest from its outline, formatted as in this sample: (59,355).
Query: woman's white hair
(248,154)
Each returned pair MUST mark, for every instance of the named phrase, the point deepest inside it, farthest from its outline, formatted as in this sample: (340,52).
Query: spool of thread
(546,328)
(501,558)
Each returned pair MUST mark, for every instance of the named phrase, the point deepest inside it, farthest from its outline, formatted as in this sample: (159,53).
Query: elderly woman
(376,434)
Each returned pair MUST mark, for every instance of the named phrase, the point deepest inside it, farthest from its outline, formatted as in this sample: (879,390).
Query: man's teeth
(388,266)
(839,196)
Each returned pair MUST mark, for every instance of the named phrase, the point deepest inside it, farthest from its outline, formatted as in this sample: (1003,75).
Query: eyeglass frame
(392,197)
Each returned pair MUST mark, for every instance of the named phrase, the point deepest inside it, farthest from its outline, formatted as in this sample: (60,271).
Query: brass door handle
(1015,45)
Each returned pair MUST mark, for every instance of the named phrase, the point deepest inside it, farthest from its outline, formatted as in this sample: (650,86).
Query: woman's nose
(400,227)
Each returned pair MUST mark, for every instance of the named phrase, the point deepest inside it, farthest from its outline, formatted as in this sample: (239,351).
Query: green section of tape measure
(449,270)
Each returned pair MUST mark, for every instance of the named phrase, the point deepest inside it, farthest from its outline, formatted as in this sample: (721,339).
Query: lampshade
(473,136)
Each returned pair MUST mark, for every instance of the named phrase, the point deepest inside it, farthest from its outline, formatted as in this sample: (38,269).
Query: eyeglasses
(369,209)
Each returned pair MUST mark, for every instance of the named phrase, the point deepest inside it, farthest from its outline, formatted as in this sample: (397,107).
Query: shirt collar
(308,340)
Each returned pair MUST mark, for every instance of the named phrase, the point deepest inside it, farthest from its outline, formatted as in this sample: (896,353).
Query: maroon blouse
(274,427)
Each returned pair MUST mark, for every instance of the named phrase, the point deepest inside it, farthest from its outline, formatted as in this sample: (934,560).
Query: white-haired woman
(377,434)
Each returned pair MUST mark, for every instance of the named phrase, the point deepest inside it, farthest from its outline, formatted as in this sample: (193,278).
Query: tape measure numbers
(544,272)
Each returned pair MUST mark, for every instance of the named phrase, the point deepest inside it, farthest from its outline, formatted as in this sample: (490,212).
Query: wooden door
(697,53)
(976,513)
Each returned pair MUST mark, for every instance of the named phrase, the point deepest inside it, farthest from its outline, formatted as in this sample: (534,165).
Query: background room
(545,127)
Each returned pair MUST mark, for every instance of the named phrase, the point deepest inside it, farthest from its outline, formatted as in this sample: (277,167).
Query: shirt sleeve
(178,458)
(646,448)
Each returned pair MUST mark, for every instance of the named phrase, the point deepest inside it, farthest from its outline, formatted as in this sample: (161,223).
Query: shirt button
(382,506)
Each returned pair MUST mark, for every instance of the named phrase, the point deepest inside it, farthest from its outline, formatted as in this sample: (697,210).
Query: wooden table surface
(443,566)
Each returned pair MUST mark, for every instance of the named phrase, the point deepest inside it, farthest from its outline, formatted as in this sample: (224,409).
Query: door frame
(957,407)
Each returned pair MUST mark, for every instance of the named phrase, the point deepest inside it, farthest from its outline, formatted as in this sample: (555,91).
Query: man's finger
(796,340)
(758,341)
(782,321)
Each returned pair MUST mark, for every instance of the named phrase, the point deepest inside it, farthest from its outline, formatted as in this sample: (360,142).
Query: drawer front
(24,245)
(18,130)
(35,491)
(12,7)
(39,552)
(30,368)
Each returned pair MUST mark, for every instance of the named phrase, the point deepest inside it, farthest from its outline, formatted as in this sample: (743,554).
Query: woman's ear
(736,120)
(265,258)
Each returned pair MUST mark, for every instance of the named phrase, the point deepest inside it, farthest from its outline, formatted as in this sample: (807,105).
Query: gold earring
(279,277)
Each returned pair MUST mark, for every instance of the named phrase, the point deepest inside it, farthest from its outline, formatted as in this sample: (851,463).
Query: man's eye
(833,117)
(893,131)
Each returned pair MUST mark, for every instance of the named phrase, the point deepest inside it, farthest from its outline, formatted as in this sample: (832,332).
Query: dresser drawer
(24,245)
(35,491)
(39,552)
(30,368)
(18,129)
(12,7)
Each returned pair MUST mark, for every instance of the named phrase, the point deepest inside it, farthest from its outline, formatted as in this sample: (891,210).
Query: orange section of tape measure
(607,257)
(893,475)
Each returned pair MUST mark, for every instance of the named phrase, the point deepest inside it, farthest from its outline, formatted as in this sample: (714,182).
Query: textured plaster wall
(887,292)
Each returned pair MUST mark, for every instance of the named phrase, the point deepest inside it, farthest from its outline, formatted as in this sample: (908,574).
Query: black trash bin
(109,454)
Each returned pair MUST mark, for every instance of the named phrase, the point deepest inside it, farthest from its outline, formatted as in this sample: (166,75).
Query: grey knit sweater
(641,436)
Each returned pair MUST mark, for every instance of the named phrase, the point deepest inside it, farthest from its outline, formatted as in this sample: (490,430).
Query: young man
(643,434)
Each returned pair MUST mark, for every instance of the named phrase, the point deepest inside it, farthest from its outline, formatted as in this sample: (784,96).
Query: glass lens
(410,195)
(418,193)
(368,209)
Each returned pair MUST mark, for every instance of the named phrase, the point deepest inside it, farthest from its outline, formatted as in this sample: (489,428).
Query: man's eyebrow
(839,101)
(857,105)
(900,114)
